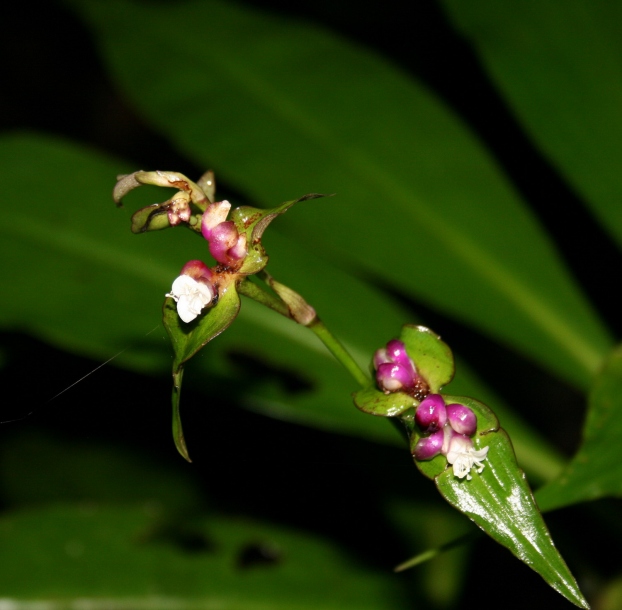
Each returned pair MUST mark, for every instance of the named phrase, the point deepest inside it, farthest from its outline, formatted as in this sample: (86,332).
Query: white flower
(191,296)
(463,457)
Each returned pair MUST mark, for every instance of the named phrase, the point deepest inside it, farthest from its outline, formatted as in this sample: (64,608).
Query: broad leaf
(558,65)
(117,557)
(278,107)
(500,502)
(595,471)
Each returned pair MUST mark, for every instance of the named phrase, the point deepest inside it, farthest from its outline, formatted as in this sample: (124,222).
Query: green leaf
(371,400)
(558,66)
(433,360)
(432,357)
(189,338)
(500,502)
(253,222)
(595,470)
(421,204)
(118,558)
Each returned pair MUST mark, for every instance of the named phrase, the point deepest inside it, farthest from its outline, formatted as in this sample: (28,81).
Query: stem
(276,303)
(337,349)
(257,293)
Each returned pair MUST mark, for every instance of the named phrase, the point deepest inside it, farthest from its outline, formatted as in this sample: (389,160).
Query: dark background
(54,81)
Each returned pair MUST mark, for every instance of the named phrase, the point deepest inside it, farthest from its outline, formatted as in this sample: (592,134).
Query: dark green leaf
(595,471)
(118,558)
(278,106)
(558,65)
(500,502)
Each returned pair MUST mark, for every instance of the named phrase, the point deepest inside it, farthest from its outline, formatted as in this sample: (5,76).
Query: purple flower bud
(198,271)
(429,446)
(213,216)
(380,357)
(239,250)
(393,377)
(431,414)
(396,351)
(462,419)
(223,237)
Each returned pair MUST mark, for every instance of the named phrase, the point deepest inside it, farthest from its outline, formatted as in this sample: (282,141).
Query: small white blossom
(463,457)
(191,296)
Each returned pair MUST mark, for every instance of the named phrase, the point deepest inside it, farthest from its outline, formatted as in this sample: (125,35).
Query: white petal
(191,296)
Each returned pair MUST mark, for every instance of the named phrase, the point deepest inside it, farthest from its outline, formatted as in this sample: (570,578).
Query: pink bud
(428,446)
(396,351)
(198,271)
(431,414)
(215,214)
(223,237)
(462,419)
(393,377)
(239,250)
(380,357)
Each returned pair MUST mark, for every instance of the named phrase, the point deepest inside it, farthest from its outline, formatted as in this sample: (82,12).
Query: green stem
(337,349)
(276,303)
(257,293)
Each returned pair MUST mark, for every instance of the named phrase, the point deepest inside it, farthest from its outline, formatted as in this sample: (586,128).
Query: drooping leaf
(420,203)
(117,557)
(558,66)
(595,470)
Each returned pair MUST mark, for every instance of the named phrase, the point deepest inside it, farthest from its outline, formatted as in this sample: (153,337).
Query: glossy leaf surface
(558,66)
(278,107)
(595,470)
(501,503)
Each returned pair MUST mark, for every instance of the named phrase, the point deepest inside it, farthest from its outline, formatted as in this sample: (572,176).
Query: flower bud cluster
(226,244)
(447,430)
(396,372)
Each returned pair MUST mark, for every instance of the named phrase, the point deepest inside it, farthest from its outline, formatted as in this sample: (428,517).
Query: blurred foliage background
(473,148)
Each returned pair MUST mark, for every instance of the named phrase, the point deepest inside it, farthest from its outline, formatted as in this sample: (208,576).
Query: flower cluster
(195,287)
(396,372)
(447,430)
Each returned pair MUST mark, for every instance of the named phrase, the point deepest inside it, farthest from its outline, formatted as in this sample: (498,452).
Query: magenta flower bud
(429,446)
(223,237)
(396,351)
(198,271)
(393,377)
(431,414)
(380,357)
(215,214)
(462,419)
(239,251)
